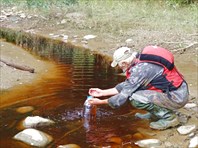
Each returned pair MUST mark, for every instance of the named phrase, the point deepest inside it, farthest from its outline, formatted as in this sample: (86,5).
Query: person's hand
(96,92)
(96,101)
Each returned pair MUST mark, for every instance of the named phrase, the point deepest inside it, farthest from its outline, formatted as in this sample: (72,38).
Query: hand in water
(96,92)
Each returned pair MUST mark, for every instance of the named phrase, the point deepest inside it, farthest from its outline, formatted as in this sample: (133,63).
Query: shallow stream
(61,97)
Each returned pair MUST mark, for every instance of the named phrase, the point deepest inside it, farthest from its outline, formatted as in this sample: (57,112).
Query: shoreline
(14,79)
(168,137)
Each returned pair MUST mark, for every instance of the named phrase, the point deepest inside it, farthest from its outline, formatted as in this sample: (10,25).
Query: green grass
(119,16)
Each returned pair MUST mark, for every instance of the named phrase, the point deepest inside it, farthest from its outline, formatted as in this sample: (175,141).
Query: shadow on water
(61,99)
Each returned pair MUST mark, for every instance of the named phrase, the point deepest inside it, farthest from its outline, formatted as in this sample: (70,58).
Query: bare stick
(182,50)
(25,68)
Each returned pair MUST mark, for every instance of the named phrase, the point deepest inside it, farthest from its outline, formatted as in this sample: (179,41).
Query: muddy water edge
(59,95)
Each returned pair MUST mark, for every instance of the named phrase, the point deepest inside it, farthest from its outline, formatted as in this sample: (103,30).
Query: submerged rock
(148,143)
(183,130)
(116,140)
(69,146)
(138,136)
(34,137)
(25,109)
(36,120)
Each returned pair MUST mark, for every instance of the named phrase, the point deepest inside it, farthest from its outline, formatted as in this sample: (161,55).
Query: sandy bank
(11,77)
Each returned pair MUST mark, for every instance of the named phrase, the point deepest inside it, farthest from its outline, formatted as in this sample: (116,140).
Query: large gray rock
(36,120)
(34,137)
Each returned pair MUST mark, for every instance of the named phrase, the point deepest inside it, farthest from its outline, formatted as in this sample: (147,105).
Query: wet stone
(183,130)
(148,132)
(36,120)
(148,143)
(34,137)
(116,140)
(138,136)
(69,146)
(25,109)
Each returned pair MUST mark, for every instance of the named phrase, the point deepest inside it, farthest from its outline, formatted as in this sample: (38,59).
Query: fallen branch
(24,68)
(173,42)
(182,50)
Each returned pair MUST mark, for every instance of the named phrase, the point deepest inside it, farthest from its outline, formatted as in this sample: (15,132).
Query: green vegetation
(118,16)
(48,3)
(36,44)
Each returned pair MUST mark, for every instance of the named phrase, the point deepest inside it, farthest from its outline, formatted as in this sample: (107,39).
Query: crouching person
(152,83)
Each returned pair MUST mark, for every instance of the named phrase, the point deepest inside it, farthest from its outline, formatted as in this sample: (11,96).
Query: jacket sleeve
(140,76)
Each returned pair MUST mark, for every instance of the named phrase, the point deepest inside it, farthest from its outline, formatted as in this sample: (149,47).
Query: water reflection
(61,97)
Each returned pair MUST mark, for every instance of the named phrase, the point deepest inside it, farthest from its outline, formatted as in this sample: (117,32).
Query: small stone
(34,137)
(84,42)
(65,37)
(56,36)
(128,41)
(88,37)
(138,136)
(22,15)
(190,105)
(183,119)
(25,109)
(116,140)
(183,130)
(69,146)
(191,135)
(168,144)
(148,143)
(193,142)
(63,21)
(36,120)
